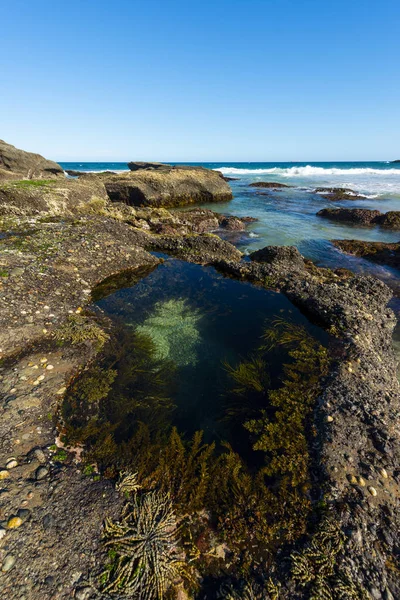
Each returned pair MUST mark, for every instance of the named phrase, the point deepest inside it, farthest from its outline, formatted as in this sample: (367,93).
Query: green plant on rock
(79,329)
(316,566)
(128,483)
(250,590)
(147,558)
(32,183)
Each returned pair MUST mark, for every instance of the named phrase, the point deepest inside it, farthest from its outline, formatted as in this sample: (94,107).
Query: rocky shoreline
(363,216)
(60,240)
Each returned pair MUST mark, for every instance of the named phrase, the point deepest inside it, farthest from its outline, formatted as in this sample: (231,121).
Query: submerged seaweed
(172,327)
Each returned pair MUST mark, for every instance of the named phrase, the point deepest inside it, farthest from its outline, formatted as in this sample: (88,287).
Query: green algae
(173,329)
(32,183)
(80,328)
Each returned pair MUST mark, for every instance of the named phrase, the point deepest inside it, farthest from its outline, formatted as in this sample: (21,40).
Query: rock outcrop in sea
(336,194)
(165,186)
(362,216)
(378,252)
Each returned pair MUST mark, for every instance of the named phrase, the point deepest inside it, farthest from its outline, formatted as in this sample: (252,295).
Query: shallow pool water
(202,325)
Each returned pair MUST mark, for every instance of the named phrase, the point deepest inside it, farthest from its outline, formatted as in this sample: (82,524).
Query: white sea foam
(308,171)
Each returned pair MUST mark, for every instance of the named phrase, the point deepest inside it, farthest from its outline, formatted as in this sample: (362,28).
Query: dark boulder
(202,249)
(139,165)
(282,255)
(390,220)
(232,224)
(27,164)
(393,162)
(359,216)
(336,194)
(197,220)
(269,184)
(363,216)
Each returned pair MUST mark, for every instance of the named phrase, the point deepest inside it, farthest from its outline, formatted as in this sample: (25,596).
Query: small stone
(43,360)
(48,521)
(61,391)
(83,593)
(14,522)
(40,378)
(50,367)
(36,382)
(372,491)
(46,307)
(23,514)
(352,479)
(384,473)
(329,419)
(11,463)
(39,455)
(361,481)
(41,473)
(8,563)
(2,532)
(4,474)
(44,330)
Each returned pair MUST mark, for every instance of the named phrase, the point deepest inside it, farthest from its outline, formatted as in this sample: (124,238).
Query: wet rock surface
(269,185)
(363,216)
(379,252)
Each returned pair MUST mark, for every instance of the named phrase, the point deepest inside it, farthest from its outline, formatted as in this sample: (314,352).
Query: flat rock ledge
(49,267)
(362,216)
(379,252)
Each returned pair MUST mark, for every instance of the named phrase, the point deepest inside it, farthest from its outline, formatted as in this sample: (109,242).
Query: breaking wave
(307,171)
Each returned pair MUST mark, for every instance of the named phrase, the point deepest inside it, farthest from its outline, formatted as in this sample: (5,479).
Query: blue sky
(201,81)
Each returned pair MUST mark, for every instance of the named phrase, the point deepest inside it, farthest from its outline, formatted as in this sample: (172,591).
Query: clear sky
(193,80)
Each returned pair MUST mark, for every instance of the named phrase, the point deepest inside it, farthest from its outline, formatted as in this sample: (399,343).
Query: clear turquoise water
(288,216)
